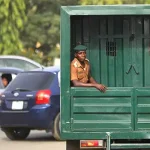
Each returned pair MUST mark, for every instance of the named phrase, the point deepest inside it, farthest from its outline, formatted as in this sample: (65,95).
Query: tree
(42,30)
(12,18)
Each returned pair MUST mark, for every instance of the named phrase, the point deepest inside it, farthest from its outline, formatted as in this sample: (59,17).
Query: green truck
(118,42)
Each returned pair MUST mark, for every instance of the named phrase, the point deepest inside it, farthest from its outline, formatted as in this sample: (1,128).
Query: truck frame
(118,41)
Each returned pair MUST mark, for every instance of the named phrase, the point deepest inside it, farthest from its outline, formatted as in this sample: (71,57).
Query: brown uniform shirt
(78,72)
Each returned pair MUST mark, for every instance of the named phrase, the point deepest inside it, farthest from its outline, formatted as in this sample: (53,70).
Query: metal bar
(122,36)
(127,72)
(108,141)
(130,146)
(135,69)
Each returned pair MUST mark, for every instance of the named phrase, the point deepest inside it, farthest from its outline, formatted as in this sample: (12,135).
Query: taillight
(43,97)
(92,143)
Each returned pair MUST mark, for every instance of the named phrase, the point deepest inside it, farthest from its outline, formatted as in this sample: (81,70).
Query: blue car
(31,102)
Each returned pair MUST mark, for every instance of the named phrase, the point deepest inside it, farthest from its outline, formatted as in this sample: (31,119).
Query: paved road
(37,140)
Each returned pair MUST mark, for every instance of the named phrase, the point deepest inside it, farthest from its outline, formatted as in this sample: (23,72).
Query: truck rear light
(91,143)
(43,97)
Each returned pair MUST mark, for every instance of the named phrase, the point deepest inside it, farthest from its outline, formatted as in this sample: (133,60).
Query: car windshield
(18,63)
(31,81)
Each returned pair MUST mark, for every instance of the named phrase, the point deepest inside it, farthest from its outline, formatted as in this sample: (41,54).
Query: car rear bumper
(39,117)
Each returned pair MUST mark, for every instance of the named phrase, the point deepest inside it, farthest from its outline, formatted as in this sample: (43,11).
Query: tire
(16,133)
(56,127)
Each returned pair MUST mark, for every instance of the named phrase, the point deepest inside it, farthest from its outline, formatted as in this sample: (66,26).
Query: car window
(12,75)
(2,64)
(29,66)
(1,84)
(20,64)
(32,81)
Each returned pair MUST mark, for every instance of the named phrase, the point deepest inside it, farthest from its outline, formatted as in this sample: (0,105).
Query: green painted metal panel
(108,100)
(108,10)
(146,48)
(119,70)
(111,59)
(127,55)
(101,109)
(78,30)
(94,47)
(119,64)
(137,54)
(101,112)
(104,59)
(130,146)
(92,92)
(142,111)
(65,73)
(102,104)
(86,34)
(103,135)
(146,63)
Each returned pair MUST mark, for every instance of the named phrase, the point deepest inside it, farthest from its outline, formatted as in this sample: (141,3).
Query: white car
(19,62)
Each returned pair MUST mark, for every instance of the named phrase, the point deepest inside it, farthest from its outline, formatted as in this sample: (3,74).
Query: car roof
(10,70)
(52,69)
(49,69)
(21,58)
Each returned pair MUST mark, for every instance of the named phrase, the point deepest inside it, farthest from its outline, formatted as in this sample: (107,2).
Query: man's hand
(101,87)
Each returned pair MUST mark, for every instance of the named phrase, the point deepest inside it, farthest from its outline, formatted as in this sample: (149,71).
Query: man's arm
(78,83)
(96,85)
(91,80)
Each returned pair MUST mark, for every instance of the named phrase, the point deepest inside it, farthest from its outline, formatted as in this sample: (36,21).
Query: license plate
(17,105)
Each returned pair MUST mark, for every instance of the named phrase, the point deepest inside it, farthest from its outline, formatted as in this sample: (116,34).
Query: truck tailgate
(92,110)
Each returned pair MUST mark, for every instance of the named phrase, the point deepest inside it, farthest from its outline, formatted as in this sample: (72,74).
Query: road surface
(37,140)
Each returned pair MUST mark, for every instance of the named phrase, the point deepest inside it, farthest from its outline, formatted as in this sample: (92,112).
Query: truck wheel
(16,133)
(56,127)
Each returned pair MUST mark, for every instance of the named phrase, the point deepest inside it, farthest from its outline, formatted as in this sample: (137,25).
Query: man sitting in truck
(80,70)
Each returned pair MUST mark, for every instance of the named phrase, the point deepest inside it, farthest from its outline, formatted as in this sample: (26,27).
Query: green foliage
(42,30)
(12,18)
(110,2)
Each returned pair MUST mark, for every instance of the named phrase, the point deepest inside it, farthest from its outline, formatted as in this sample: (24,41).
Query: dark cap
(80,48)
